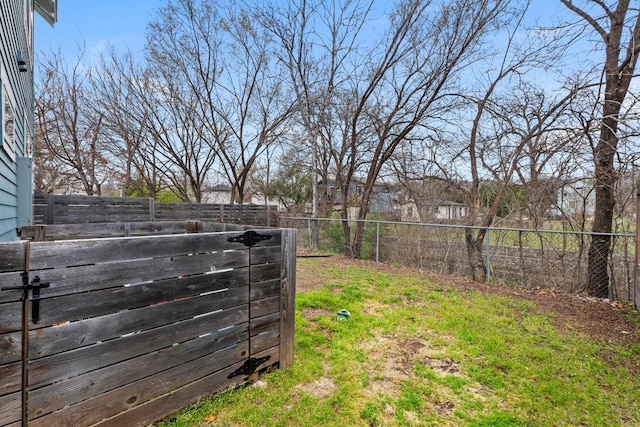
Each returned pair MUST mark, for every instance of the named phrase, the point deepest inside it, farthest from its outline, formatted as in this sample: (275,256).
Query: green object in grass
(343,315)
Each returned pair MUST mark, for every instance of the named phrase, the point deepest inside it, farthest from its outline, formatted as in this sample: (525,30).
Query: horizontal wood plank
(10,346)
(65,337)
(45,255)
(82,387)
(60,366)
(264,255)
(108,404)
(268,289)
(9,280)
(84,278)
(264,272)
(10,408)
(127,323)
(169,403)
(85,305)
(266,306)
(265,341)
(11,317)
(11,375)
(262,324)
(12,256)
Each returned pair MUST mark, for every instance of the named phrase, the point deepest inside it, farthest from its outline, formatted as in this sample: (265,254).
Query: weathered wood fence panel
(237,214)
(131,329)
(127,229)
(78,209)
(11,266)
(72,209)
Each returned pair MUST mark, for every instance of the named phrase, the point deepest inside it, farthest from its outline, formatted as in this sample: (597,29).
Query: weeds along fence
(124,331)
(546,259)
(75,209)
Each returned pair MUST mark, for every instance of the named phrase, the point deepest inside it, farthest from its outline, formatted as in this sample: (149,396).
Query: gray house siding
(16,41)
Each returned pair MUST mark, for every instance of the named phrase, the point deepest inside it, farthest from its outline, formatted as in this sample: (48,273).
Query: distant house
(221,194)
(217,194)
(577,198)
(382,198)
(17,110)
(432,210)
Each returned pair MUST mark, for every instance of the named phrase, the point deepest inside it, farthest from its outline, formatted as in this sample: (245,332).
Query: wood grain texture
(74,390)
(71,209)
(92,277)
(101,302)
(12,256)
(266,306)
(167,404)
(287,297)
(46,255)
(265,272)
(131,395)
(262,324)
(190,312)
(10,408)
(10,347)
(11,375)
(268,289)
(131,327)
(61,366)
(11,315)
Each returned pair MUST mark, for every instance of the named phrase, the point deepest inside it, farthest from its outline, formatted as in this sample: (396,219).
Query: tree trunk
(597,270)
(346,229)
(605,177)
(476,260)
(619,66)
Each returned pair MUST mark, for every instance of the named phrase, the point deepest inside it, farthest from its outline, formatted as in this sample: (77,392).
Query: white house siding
(16,35)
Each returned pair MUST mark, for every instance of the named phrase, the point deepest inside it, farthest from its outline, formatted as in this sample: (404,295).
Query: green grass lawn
(419,353)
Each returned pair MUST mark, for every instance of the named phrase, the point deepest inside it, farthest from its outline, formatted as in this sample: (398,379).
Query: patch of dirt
(601,319)
(392,361)
(320,388)
(373,308)
(312,313)
(445,365)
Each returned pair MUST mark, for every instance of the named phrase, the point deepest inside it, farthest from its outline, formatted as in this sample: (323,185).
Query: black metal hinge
(35,287)
(249,366)
(249,238)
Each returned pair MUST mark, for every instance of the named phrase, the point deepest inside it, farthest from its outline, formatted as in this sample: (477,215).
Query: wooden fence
(125,331)
(76,209)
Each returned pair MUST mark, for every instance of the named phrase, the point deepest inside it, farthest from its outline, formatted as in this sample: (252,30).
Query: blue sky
(120,23)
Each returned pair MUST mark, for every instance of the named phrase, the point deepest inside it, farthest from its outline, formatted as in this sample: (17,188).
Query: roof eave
(48,9)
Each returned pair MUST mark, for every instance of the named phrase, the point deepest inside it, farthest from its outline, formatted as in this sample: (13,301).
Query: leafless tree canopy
(320,102)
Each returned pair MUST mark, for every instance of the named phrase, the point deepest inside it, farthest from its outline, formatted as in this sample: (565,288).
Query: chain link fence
(535,259)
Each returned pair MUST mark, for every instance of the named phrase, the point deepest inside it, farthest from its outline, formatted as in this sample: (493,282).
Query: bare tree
(618,25)
(496,129)
(120,86)
(372,96)
(67,125)
(226,79)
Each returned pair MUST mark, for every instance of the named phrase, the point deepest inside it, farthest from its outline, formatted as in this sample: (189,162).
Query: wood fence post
(50,209)
(152,209)
(287,296)
(39,233)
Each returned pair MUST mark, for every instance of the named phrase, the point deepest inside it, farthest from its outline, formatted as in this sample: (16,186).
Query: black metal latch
(35,286)
(249,238)
(249,367)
